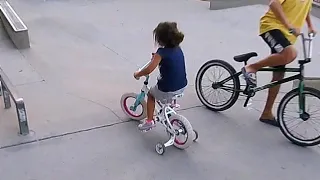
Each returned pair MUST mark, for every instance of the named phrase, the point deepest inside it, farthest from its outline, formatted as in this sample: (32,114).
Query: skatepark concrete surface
(82,57)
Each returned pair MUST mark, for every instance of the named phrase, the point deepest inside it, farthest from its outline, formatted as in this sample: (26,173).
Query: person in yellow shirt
(279,28)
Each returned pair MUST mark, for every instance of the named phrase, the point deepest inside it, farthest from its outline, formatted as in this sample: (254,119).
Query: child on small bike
(170,59)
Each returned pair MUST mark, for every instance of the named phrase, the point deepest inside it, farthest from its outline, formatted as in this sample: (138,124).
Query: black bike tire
(198,80)
(284,101)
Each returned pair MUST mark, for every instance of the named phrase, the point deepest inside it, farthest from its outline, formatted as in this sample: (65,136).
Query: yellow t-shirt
(296,12)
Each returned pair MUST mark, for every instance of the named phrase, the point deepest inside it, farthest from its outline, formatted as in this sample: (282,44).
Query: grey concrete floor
(82,57)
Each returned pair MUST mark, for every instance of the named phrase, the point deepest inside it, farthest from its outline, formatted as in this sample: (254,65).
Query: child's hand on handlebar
(135,75)
(312,31)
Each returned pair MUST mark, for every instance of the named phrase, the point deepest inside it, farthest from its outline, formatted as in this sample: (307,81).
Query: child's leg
(149,123)
(150,107)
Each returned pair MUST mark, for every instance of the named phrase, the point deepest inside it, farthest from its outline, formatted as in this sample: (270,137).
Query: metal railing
(8,92)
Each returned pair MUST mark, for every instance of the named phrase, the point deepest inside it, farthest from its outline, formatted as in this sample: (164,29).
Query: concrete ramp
(224,4)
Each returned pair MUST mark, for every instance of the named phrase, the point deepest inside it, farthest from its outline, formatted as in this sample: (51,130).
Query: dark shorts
(276,41)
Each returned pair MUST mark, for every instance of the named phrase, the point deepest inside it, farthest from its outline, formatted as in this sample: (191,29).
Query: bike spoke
(315,118)
(215,94)
(220,74)
(314,127)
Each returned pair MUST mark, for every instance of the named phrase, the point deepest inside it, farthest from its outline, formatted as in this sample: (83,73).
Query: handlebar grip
(292,31)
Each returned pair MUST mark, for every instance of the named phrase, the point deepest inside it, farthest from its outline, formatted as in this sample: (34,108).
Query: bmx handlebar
(144,66)
(307,55)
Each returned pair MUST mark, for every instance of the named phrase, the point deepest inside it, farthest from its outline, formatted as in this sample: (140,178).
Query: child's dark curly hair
(167,34)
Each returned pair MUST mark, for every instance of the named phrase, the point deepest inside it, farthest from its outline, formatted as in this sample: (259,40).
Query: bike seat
(245,57)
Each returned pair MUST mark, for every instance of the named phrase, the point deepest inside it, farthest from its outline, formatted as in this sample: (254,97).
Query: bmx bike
(303,113)
(177,126)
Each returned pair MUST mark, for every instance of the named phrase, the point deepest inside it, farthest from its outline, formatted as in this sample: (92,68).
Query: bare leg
(277,59)
(285,57)
(150,107)
(149,123)
(272,95)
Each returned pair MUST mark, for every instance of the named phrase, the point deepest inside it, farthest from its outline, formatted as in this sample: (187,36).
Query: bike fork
(302,100)
(137,102)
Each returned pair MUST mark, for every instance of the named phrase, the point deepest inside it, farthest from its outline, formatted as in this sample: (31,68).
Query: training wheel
(196,135)
(160,149)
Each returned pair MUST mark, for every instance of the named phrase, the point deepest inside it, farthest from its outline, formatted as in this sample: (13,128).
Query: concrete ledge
(8,91)
(313,82)
(224,4)
(16,29)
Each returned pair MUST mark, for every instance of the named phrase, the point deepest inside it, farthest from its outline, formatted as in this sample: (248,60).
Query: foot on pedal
(146,126)
(250,78)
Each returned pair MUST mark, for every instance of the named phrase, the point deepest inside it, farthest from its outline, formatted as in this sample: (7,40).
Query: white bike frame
(162,110)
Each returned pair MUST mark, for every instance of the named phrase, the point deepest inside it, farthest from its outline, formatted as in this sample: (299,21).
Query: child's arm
(309,23)
(147,70)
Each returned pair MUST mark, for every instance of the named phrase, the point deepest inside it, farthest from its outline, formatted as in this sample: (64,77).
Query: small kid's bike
(177,126)
(299,116)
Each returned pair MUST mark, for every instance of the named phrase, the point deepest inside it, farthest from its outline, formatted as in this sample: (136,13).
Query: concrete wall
(223,4)
(14,26)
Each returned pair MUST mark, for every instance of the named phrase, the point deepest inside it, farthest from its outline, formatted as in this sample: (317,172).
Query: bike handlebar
(144,66)
(310,35)
(307,56)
